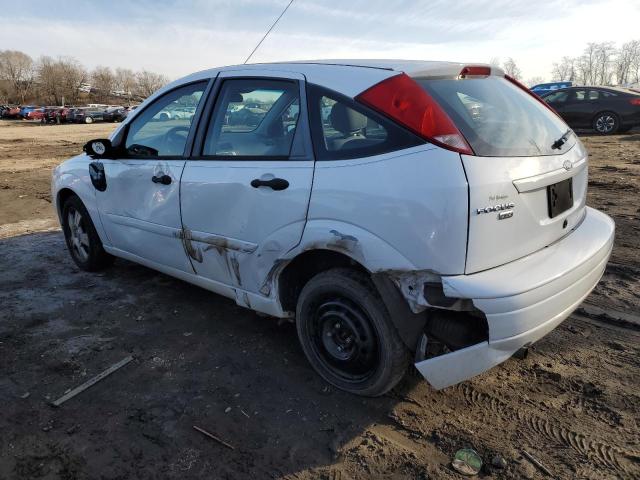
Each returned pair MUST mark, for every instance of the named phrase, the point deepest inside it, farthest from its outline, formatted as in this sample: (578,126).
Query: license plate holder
(560,197)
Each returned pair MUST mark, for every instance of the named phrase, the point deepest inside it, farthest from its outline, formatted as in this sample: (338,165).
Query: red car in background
(56,114)
(36,114)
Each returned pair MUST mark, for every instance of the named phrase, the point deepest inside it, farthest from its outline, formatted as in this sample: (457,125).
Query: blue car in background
(25,110)
(548,87)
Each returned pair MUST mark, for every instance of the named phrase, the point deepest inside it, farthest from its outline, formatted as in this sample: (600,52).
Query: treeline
(54,81)
(601,64)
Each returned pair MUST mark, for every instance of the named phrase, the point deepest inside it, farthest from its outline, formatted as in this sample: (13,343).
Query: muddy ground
(199,359)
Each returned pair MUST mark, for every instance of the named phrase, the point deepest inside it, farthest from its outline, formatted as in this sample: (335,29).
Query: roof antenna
(268,32)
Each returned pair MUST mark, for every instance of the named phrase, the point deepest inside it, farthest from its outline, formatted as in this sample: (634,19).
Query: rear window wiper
(557,145)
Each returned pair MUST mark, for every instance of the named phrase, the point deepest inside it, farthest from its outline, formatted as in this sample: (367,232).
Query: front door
(245,193)
(140,208)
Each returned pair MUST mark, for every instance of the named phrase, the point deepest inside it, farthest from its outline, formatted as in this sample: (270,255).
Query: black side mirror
(98,148)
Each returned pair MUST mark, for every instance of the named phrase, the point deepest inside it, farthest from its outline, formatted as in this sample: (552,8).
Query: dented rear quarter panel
(410,208)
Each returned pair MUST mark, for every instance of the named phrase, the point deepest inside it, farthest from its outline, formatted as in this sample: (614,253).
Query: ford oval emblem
(567,165)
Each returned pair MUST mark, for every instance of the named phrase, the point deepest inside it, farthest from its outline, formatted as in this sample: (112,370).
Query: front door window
(161,130)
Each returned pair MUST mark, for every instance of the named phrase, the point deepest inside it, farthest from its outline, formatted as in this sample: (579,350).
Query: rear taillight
(635,101)
(524,88)
(404,101)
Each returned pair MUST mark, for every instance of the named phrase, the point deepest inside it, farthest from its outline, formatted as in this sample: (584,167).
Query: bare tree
(104,82)
(564,70)
(510,68)
(604,55)
(148,82)
(534,81)
(125,82)
(60,79)
(627,62)
(17,70)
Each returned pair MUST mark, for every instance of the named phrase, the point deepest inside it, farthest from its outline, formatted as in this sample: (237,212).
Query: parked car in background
(469,240)
(24,110)
(606,110)
(88,115)
(549,87)
(35,114)
(114,114)
(57,114)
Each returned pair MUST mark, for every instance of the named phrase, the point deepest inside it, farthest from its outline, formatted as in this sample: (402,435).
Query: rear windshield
(498,119)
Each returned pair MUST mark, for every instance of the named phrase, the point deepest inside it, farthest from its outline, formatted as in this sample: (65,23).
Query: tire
(88,120)
(164,117)
(606,123)
(347,334)
(81,237)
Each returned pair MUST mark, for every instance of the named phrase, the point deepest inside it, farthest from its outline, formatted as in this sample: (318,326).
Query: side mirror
(100,147)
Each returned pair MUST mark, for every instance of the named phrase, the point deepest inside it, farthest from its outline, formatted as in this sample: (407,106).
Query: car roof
(362,73)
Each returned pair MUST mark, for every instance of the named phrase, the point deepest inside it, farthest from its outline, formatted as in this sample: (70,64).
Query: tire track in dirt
(596,451)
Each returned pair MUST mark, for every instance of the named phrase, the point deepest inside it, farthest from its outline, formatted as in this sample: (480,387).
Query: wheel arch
(300,269)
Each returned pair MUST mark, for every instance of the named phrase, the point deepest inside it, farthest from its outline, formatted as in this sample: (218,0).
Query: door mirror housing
(98,148)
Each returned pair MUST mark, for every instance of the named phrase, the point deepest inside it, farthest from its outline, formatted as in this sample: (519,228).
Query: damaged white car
(399,211)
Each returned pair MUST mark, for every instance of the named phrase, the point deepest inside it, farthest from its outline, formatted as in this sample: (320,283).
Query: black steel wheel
(347,335)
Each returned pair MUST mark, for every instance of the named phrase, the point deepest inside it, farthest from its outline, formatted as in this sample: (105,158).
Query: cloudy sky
(178,37)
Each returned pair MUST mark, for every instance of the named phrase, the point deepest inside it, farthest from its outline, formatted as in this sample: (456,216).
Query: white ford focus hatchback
(396,210)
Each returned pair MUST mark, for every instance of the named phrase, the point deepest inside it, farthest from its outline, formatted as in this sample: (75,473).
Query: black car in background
(115,114)
(88,115)
(606,110)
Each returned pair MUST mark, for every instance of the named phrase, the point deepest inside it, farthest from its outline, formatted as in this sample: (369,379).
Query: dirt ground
(199,359)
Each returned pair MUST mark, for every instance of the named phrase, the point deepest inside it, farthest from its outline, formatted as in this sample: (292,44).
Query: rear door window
(343,129)
(497,118)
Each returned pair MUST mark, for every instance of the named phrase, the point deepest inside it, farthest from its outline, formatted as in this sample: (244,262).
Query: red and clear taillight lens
(635,101)
(405,102)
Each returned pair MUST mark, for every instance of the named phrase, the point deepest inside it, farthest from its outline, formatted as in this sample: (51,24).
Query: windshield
(498,119)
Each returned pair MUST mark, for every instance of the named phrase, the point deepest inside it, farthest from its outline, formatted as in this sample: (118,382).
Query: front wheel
(606,123)
(88,120)
(347,335)
(82,239)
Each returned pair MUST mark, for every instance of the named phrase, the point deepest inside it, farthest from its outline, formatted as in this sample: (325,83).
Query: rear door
(528,175)
(245,193)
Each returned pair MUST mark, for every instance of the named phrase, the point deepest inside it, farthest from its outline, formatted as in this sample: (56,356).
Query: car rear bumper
(525,299)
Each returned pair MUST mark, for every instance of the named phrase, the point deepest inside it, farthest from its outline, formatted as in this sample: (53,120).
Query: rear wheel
(82,239)
(347,335)
(606,123)
(88,120)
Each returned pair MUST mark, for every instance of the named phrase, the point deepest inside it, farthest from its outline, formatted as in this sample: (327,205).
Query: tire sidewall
(385,375)
(97,255)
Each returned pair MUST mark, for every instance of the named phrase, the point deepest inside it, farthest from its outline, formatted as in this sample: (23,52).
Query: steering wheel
(174,141)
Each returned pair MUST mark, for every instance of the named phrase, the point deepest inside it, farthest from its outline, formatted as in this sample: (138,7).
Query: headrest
(347,120)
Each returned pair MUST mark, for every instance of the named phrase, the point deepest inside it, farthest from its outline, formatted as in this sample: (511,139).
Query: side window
(343,129)
(557,97)
(254,118)
(579,95)
(162,128)
(594,94)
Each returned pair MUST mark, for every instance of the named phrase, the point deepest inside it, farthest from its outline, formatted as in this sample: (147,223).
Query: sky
(176,37)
